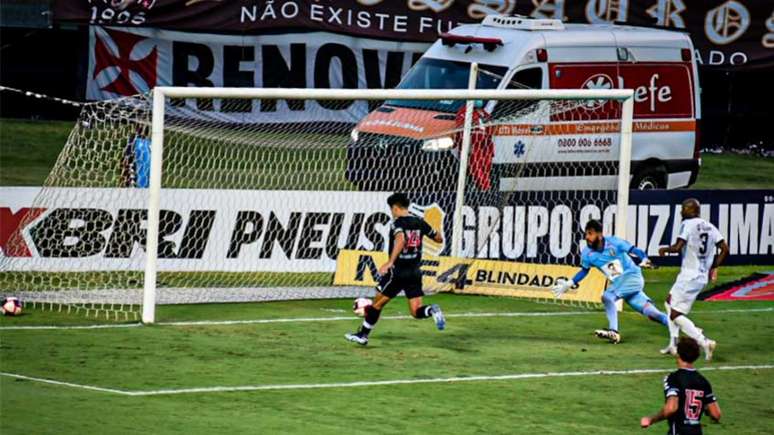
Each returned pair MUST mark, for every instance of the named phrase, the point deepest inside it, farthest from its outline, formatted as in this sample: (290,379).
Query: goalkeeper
(613,257)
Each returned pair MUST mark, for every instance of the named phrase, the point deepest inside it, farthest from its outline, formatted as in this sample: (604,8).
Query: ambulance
(413,144)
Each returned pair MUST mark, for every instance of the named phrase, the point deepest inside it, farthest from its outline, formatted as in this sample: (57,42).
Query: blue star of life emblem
(519,149)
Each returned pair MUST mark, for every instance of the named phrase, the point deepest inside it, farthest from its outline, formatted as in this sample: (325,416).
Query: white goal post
(161,94)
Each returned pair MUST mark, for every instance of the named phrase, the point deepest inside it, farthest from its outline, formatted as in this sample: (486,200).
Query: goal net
(255,194)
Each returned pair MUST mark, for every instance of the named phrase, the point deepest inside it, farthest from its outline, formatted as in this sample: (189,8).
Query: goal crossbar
(398,94)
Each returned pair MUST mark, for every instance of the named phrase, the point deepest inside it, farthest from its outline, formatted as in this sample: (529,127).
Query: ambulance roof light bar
(490,44)
(520,22)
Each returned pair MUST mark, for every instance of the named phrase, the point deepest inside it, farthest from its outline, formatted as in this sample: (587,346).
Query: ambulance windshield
(431,73)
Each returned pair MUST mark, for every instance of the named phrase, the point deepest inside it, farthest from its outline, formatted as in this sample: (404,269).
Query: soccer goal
(204,195)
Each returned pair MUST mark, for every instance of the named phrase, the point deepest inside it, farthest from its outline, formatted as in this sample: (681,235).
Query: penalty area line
(351,318)
(448,380)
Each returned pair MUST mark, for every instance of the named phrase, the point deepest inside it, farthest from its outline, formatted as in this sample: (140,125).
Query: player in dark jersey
(688,394)
(401,272)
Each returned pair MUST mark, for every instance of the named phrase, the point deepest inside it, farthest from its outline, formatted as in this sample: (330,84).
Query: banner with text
(125,62)
(82,229)
(474,276)
(733,34)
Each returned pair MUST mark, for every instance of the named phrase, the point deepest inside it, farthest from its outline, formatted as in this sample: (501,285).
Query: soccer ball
(11,306)
(360,305)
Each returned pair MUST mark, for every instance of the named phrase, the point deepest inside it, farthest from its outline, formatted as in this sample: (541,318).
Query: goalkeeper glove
(561,287)
(646,264)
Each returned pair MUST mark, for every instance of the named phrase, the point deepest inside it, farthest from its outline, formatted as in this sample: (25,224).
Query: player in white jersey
(697,243)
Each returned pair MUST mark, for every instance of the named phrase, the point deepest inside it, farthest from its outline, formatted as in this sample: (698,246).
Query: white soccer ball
(11,306)
(360,305)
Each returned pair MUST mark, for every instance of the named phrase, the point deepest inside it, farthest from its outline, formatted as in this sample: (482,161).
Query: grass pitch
(170,357)
(29,149)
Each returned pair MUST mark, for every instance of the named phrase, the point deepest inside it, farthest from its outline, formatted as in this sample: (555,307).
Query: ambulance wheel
(648,179)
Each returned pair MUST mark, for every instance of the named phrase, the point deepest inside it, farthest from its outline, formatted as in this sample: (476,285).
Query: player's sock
(691,330)
(674,330)
(609,298)
(371,317)
(655,315)
(424,312)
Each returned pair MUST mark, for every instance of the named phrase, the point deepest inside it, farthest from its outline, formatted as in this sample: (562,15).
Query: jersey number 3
(703,247)
(693,404)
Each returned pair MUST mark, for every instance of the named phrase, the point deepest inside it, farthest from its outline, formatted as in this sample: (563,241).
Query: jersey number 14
(413,239)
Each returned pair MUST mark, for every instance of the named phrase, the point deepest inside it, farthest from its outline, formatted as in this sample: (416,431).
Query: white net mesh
(258,197)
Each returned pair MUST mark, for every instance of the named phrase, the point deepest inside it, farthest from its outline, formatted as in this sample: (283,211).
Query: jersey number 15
(693,404)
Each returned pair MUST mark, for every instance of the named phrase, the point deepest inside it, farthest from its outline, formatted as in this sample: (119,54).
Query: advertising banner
(80,229)
(124,62)
(469,275)
(731,34)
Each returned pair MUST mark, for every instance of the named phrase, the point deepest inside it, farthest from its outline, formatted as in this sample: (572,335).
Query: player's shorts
(629,288)
(408,281)
(683,294)
(627,285)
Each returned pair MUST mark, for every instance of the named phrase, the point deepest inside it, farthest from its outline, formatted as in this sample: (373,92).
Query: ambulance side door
(585,131)
(519,120)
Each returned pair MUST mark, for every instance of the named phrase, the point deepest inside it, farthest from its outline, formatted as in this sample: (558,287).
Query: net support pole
(456,246)
(154,203)
(624,168)
(624,172)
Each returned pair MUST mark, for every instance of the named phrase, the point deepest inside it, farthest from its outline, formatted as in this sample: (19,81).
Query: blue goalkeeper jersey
(613,260)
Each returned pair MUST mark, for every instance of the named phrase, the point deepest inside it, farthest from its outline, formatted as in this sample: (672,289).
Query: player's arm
(428,231)
(672,249)
(678,245)
(400,242)
(713,410)
(669,408)
(640,256)
(719,259)
(711,406)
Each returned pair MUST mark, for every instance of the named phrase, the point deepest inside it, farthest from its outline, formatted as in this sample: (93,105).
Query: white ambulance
(578,147)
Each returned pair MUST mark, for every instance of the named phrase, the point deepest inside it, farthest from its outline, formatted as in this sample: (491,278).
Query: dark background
(51,58)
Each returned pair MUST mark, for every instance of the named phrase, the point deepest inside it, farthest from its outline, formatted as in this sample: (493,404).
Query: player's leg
(388,288)
(609,298)
(641,303)
(681,304)
(631,290)
(674,330)
(414,294)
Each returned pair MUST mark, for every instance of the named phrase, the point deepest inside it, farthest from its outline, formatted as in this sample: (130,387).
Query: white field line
(351,318)
(98,326)
(275,387)
(66,384)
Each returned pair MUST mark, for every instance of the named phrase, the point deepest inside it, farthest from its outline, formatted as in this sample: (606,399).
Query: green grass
(237,159)
(145,358)
(731,171)
(29,149)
